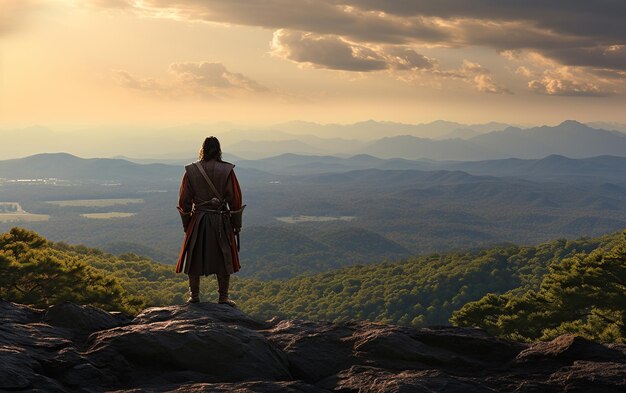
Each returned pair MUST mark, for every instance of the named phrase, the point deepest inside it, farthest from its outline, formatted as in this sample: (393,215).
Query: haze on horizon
(156,63)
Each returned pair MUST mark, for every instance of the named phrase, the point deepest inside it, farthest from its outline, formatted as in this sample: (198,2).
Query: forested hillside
(418,291)
(583,294)
(523,292)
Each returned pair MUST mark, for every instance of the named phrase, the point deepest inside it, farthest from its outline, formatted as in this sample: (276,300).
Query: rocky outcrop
(213,348)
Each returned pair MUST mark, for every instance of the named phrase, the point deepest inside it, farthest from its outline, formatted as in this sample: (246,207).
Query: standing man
(210,205)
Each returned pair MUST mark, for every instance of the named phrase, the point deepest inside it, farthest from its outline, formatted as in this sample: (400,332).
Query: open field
(23,217)
(297,219)
(11,207)
(13,212)
(96,202)
(106,216)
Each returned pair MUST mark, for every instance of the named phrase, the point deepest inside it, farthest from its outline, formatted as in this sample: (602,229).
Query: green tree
(36,274)
(583,294)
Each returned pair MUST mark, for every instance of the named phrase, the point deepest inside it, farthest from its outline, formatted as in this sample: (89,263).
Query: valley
(307,214)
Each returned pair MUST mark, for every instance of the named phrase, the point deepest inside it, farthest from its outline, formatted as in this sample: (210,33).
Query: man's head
(211,149)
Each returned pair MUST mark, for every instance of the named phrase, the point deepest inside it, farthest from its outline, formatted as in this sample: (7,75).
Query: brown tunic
(209,244)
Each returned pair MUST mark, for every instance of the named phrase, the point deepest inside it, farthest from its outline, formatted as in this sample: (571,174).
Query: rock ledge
(213,348)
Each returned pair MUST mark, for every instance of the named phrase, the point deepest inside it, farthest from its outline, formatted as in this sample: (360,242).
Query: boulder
(373,380)
(392,347)
(81,319)
(17,313)
(314,350)
(223,352)
(17,369)
(199,313)
(564,350)
(584,376)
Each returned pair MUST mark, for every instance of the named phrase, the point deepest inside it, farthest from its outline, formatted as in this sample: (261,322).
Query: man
(209,192)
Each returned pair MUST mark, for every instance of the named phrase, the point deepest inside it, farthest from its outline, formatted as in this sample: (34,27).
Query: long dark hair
(211,149)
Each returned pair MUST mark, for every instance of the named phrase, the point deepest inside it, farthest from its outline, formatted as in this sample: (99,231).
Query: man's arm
(233,195)
(185,201)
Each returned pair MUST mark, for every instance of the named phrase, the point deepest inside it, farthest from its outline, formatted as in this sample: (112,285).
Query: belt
(214,211)
(209,207)
(224,225)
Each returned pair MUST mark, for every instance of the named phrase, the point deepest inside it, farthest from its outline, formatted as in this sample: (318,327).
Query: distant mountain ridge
(604,167)
(372,130)
(570,138)
(438,140)
(70,167)
(443,141)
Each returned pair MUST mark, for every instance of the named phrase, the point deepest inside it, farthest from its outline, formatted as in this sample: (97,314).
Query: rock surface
(213,348)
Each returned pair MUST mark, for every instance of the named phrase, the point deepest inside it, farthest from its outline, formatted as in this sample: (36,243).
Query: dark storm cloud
(408,59)
(326,52)
(318,16)
(608,58)
(332,52)
(570,32)
(601,19)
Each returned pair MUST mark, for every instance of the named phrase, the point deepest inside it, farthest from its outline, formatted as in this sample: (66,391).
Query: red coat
(209,244)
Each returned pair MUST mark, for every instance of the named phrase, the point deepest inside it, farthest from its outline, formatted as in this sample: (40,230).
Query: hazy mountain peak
(363,156)
(52,156)
(556,158)
(444,123)
(572,123)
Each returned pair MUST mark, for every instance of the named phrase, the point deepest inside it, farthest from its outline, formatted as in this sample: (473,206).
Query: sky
(69,64)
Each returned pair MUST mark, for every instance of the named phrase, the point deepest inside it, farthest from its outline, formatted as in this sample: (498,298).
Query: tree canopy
(519,292)
(584,294)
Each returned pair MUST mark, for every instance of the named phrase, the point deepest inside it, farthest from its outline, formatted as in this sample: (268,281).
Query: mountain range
(69,167)
(439,140)
(570,138)
(600,168)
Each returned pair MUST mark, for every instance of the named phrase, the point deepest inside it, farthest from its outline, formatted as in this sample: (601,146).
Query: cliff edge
(213,348)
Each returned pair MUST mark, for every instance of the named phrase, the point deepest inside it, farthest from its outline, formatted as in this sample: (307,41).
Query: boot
(223,281)
(194,289)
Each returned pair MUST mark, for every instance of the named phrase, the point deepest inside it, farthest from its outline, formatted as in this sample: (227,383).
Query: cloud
(564,87)
(611,57)
(601,20)
(335,53)
(564,81)
(548,77)
(316,16)
(366,35)
(129,81)
(524,71)
(212,75)
(328,52)
(477,76)
(204,79)
(402,58)
(503,24)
